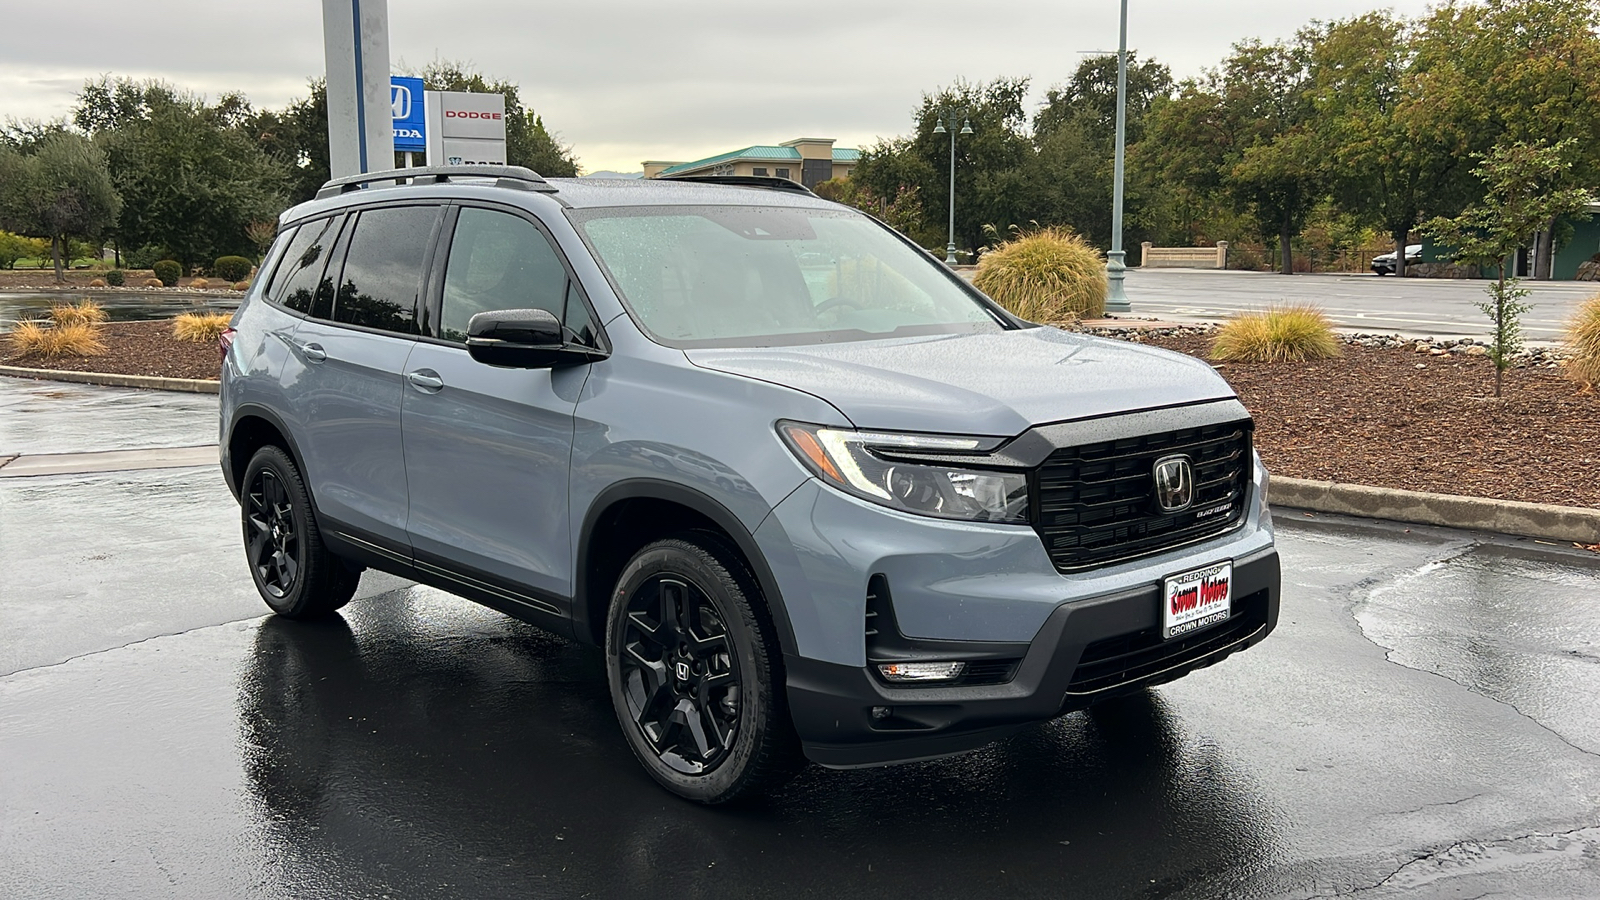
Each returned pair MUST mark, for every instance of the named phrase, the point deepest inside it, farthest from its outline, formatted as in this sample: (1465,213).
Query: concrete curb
(150,382)
(1537,520)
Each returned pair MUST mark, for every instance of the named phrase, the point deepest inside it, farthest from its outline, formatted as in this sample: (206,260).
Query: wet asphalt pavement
(1423,723)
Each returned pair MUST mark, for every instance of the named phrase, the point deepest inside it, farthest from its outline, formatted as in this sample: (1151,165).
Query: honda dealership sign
(405,104)
(463,128)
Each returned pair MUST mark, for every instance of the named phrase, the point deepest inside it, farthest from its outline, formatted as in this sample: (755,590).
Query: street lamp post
(938,128)
(1116,272)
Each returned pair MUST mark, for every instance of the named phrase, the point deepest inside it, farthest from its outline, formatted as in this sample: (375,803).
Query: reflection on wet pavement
(58,417)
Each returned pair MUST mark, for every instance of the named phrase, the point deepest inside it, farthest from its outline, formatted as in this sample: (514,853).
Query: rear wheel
(694,672)
(294,572)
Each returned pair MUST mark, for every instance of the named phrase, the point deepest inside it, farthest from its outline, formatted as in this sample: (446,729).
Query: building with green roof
(806,160)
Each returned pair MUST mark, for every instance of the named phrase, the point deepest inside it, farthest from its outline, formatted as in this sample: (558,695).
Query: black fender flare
(652,489)
(256,410)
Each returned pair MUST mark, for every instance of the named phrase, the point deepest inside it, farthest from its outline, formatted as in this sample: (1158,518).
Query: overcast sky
(627,80)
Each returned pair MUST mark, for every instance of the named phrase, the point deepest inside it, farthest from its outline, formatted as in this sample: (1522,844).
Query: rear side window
(382,282)
(294,284)
(498,261)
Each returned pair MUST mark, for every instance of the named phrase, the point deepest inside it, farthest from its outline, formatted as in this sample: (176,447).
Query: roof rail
(771,182)
(518,177)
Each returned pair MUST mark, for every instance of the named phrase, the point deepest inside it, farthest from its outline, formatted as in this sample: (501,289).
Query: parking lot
(1421,724)
(1415,307)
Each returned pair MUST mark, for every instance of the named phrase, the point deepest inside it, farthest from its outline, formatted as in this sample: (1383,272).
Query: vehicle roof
(577,193)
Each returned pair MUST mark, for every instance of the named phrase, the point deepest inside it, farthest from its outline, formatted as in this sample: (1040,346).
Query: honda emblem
(1174,477)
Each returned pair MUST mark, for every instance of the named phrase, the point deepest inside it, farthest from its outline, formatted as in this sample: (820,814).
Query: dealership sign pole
(355,39)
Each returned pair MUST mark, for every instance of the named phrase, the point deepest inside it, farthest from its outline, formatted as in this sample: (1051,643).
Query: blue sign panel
(410,132)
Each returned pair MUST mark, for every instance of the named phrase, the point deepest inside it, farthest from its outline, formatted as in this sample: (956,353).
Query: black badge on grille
(1174,477)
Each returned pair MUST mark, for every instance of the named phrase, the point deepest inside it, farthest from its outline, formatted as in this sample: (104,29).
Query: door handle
(313,352)
(425,380)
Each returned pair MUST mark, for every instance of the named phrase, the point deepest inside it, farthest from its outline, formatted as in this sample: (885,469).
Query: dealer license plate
(1193,600)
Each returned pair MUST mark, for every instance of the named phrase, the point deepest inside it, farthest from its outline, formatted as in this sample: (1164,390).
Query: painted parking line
(35,464)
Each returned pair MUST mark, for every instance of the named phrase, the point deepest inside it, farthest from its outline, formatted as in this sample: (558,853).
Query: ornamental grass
(55,339)
(86,312)
(1046,275)
(1583,340)
(199,328)
(1291,333)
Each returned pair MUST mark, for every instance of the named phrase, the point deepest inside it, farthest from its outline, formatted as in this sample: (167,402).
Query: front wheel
(693,666)
(294,572)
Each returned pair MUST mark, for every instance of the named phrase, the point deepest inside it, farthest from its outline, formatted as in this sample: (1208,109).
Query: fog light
(922,671)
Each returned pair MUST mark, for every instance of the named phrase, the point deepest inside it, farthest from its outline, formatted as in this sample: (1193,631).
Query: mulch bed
(1401,419)
(1383,417)
(133,348)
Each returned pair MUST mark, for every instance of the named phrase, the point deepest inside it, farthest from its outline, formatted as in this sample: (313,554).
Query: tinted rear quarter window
(381,286)
(294,283)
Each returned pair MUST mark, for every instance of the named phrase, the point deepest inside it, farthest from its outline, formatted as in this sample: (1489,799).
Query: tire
(695,673)
(294,572)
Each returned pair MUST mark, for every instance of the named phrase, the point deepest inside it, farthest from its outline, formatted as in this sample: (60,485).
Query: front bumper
(1087,650)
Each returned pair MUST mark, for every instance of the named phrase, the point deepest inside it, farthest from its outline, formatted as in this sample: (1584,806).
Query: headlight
(873,465)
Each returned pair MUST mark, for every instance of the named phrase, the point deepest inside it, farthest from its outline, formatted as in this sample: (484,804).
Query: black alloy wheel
(680,680)
(294,572)
(270,536)
(695,672)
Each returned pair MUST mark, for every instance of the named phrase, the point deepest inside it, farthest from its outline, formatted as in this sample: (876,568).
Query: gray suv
(813,495)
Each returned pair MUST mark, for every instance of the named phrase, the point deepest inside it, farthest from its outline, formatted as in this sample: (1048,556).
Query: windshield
(743,276)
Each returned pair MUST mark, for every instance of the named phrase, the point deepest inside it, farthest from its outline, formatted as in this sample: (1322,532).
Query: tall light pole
(1116,272)
(938,128)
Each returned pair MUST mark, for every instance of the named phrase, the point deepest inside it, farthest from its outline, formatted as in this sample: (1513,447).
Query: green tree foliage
(1070,174)
(59,188)
(192,175)
(15,247)
(1395,154)
(528,142)
(296,138)
(990,183)
(1523,188)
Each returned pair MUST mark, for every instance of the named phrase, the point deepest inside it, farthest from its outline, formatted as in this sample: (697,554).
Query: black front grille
(1096,503)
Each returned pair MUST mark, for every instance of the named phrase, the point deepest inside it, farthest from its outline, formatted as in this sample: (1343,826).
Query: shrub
(116,278)
(241,285)
(146,256)
(153,282)
(231,268)
(76,339)
(1292,333)
(87,312)
(168,271)
(198,328)
(1583,339)
(199,283)
(97,282)
(1046,275)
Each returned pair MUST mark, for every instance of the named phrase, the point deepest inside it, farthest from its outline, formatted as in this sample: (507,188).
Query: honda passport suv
(813,495)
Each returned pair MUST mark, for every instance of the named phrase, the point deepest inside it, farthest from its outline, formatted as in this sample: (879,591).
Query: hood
(987,384)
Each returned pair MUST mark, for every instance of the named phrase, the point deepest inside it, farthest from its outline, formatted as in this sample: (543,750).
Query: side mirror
(523,339)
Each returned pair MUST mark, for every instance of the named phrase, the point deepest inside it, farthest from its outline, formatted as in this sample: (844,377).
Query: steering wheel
(836,302)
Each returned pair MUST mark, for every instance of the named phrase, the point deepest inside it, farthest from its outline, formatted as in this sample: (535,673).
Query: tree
(1522,192)
(60,190)
(297,139)
(192,175)
(1396,142)
(990,183)
(1070,176)
(1243,136)
(528,142)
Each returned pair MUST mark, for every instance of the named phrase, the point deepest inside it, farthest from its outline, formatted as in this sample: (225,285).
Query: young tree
(60,190)
(1521,192)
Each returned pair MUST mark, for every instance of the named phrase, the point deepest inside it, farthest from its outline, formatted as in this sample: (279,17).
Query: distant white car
(1383,263)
